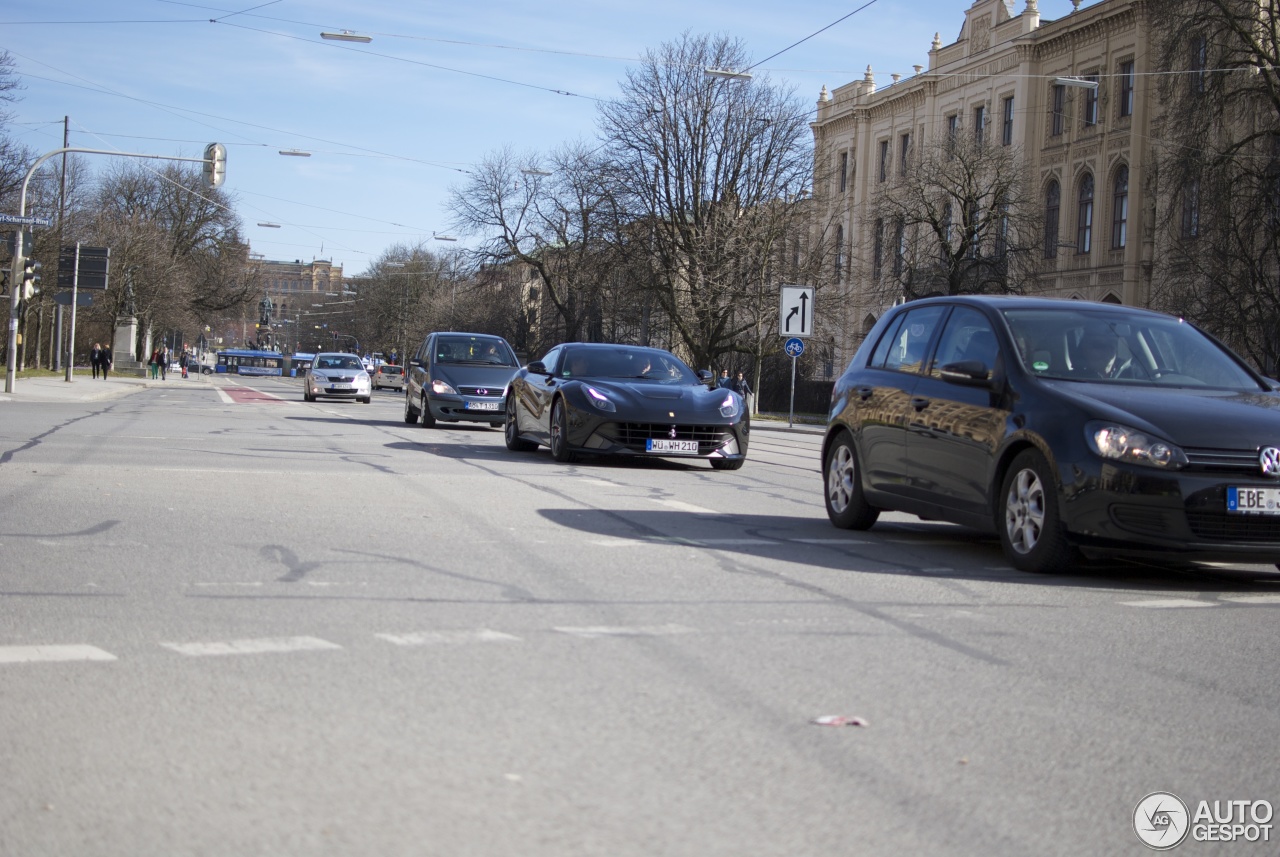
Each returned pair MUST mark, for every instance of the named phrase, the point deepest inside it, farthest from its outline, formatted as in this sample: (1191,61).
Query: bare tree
(709,174)
(1216,180)
(957,220)
(551,215)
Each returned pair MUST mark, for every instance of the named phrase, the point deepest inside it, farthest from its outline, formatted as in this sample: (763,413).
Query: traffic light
(215,164)
(30,279)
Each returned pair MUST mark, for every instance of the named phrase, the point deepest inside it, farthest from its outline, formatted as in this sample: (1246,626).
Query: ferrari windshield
(649,364)
(1093,345)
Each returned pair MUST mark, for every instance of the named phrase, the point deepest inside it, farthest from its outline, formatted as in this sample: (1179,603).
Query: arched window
(1120,209)
(1052,205)
(1084,215)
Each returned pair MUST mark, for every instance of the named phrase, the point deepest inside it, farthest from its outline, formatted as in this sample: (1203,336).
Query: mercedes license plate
(480,406)
(1253,501)
(668,447)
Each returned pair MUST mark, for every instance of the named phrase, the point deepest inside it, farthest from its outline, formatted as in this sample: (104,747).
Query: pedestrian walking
(183,361)
(154,363)
(740,386)
(165,356)
(724,380)
(105,361)
(95,358)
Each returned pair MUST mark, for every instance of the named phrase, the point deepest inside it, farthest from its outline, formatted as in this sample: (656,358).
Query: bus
(246,362)
(299,363)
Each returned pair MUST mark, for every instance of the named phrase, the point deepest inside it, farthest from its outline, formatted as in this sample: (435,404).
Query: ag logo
(1161,820)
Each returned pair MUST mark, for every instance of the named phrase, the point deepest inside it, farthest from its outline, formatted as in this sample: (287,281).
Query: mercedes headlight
(1122,443)
(440,388)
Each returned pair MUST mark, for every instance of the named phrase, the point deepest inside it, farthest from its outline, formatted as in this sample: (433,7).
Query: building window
(1052,207)
(1126,88)
(839,252)
(1059,109)
(877,254)
(844,171)
(899,248)
(1199,63)
(884,160)
(1120,209)
(1191,209)
(979,123)
(1084,215)
(1006,130)
(1091,101)
(953,133)
(1002,230)
(904,154)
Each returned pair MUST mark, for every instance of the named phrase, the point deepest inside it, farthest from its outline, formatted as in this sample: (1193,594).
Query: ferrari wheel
(560,434)
(511,431)
(727,463)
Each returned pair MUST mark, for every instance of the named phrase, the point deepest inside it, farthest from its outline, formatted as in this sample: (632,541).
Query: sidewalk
(85,388)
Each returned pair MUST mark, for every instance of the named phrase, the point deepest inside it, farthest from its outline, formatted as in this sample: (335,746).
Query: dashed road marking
(686,507)
(625,630)
(1160,604)
(429,638)
(33,654)
(262,645)
(1252,599)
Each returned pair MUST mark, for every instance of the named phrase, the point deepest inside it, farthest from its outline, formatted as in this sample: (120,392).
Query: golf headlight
(730,406)
(440,388)
(600,400)
(1121,443)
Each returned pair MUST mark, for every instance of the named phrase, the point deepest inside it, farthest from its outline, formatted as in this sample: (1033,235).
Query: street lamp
(295,153)
(443,237)
(727,74)
(530,171)
(1078,82)
(346,36)
(270,225)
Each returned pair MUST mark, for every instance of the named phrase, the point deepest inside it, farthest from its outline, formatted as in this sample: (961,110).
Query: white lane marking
(1169,602)
(226,400)
(32,654)
(428,638)
(252,647)
(625,631)
(1251,599)
(826,541)
(686,507)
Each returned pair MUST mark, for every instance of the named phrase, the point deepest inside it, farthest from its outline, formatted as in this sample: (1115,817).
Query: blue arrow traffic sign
(794,347)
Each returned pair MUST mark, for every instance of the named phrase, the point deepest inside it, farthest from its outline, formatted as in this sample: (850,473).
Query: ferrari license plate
(1253,501)
(480,406)
(671,447)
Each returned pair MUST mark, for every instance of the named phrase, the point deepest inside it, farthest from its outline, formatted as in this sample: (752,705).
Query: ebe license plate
(1253,501)
(671,447)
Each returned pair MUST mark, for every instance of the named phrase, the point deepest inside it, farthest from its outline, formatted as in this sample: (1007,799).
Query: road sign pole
(791,418)
(71,343)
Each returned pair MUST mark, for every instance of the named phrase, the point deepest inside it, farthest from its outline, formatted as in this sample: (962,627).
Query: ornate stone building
(1085,150)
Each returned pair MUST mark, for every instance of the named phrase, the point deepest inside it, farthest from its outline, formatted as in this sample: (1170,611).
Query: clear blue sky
(392,124)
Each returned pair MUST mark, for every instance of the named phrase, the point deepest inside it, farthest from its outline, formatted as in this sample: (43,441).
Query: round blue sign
(794,347)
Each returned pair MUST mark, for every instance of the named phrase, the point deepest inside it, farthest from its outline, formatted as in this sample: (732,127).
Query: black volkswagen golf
(1063,426)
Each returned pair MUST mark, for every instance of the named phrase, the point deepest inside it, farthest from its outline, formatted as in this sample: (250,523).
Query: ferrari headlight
(600,400)
(1121,443)
(730,406)
(440,388)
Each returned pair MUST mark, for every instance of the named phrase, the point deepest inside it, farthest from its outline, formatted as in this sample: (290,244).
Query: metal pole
(75,296)
(791,418)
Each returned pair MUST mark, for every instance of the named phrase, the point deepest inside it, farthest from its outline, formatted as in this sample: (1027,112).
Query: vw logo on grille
(1270,461)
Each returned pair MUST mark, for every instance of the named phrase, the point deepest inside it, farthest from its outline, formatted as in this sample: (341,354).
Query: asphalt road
(250,625)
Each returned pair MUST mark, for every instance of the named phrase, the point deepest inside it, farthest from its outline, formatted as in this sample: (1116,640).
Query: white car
(387,375)
(338,376)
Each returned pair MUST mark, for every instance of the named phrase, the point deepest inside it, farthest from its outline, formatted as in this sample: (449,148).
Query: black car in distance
(1063,426)
(603,399)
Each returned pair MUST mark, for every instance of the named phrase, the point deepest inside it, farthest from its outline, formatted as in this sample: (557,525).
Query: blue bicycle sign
(794,347)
